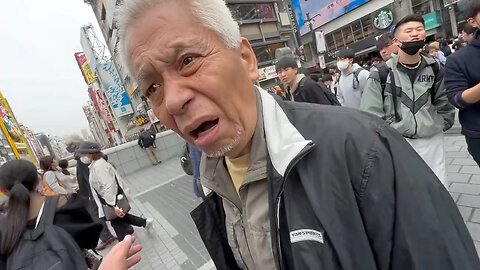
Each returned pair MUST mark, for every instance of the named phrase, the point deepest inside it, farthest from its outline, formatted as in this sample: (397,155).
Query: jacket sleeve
(74,218)
(372,99)
(52,182)
(108,187)
(441,103)
(455,83)
(407,213)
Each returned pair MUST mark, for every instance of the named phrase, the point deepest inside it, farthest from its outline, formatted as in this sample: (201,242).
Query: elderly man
(294,185)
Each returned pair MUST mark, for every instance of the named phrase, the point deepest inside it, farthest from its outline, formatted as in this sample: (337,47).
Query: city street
(164,192)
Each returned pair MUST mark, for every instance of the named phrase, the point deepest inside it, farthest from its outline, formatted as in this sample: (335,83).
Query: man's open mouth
(203,128)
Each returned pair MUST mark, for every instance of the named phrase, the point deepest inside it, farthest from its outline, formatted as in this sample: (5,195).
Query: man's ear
(249,59)
(472,22)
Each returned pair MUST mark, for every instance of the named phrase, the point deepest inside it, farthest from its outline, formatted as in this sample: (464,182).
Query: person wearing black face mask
(418,107)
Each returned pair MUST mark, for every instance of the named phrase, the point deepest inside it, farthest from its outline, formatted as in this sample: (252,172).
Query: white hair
(213,14)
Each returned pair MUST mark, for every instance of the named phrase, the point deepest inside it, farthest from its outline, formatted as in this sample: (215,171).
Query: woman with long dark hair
(50,181)
(19,180)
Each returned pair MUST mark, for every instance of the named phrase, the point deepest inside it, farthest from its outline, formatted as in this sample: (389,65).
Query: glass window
(421,7)
(266,53)
(243,12)
(347,35)
(338,39)
(357,31)
(368,29)
(330,42)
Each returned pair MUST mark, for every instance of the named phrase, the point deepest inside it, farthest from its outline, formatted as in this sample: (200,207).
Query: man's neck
(409,59)
(348,70)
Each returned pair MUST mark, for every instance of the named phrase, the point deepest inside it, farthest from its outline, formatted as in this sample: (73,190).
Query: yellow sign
(12,132)
(87,71)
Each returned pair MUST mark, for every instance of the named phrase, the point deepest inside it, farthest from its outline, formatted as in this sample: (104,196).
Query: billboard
(84,67)
(322,11)
(114,90)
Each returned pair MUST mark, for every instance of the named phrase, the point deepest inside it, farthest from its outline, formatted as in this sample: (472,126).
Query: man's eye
(152,89)
(187,60)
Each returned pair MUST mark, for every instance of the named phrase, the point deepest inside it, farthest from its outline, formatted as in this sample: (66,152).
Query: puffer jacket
(346,192)
(423,107)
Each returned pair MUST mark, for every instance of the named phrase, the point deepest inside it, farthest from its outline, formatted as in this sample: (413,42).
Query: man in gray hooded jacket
(419,109)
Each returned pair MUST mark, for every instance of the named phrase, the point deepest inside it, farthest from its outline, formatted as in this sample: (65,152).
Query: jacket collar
(427,61)
(354,68)
(295,85)
(284,141)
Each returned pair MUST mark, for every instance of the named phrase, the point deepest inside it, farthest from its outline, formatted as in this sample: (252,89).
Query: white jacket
(102,180)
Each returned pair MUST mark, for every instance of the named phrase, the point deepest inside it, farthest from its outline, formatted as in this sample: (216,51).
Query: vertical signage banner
(114,90)
(84,67)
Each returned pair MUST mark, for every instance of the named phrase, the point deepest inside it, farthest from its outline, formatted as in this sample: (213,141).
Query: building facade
(327,28)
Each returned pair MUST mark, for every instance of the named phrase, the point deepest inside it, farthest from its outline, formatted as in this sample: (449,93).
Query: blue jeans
(196,156)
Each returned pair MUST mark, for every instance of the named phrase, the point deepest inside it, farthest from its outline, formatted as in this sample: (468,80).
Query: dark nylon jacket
(462,71)
(146,139)
(311,92)
(83,173)
(74,218)
(359,195)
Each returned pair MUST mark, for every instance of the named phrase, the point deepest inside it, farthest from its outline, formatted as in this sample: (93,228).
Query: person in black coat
(300,87)
(83,174)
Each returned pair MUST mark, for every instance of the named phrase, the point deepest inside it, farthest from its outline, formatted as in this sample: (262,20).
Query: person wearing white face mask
(108,193)
(352,80)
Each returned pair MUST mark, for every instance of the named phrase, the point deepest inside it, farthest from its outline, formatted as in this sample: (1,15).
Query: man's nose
(177,97)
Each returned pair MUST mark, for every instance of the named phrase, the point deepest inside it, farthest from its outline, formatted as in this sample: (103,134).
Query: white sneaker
(149,224)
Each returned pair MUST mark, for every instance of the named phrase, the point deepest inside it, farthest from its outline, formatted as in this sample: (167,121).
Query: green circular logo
(384,19)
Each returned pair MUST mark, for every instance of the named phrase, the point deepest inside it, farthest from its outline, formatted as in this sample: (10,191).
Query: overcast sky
(38,73)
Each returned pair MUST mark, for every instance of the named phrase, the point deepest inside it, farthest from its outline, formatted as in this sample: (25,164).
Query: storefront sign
(84,67)
(267,73)
(322,12)
(114,90)
(383,19)
(293,22)
(321,44)
(432,20)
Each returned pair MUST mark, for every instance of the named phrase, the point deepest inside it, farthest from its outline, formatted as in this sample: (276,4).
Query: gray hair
(213,14)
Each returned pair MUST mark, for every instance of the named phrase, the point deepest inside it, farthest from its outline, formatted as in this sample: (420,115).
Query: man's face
(467,37)
(411,31)
(433,53)
(288,75)
(386,52)
(197,86)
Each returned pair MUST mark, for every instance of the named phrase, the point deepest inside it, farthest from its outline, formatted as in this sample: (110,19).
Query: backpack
(384,72)
(356,82)
(47,246)
(328,94)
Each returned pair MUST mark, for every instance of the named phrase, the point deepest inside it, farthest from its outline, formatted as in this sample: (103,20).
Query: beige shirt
(246,212)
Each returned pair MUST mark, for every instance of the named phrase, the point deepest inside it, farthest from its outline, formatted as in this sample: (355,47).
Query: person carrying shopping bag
(108,192)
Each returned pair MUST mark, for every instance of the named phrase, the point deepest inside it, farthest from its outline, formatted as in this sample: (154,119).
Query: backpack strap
(356,81)
(48,210)
(436,69)
(393,87)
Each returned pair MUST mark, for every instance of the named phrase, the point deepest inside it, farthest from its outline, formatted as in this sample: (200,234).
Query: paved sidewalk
(164,193)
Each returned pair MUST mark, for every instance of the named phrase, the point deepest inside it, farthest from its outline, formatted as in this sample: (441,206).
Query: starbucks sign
(384,19)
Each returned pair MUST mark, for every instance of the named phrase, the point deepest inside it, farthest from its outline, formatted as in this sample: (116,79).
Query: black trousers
(122,226)
(474,148)
(105,234)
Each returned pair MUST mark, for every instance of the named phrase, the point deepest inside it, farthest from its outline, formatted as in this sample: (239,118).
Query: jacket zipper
(413,108)
(279,198)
